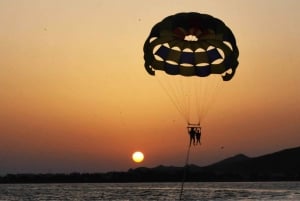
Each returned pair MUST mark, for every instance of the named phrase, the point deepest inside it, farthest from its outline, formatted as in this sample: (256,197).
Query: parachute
(191,54)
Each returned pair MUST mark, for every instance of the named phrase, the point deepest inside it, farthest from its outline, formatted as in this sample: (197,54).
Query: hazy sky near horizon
(74,94)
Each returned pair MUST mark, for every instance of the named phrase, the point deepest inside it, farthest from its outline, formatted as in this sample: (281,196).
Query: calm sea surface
(153,191)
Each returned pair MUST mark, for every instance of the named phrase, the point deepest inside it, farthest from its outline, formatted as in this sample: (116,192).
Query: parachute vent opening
(152,39)
(176,48)
(187,50)
(155,49)
(211,47)
(229,71)
(191,38)
(171,62)
(186,65)
(158,58)
(200,50)
(202,64)
(228,44)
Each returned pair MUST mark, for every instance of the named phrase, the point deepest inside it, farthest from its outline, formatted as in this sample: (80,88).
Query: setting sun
(137,156)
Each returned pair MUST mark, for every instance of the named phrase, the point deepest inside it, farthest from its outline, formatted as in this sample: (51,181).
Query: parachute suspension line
(216,90)
(197,99)
(185,171)
(183,95)
(187,97)
(192,97)
(208,93)
(202,93)
(176,94)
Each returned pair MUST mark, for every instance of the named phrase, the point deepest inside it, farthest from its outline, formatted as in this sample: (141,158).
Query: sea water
(152,191)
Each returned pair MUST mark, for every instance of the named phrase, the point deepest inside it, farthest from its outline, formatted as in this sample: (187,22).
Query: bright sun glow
(137,156)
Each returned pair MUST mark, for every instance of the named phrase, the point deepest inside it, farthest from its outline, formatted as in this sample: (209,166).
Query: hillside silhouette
(279,166)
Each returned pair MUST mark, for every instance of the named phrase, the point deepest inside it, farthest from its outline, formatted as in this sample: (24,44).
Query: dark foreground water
(152,191)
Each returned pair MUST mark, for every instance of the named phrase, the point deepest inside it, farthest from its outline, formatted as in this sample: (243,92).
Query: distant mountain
(231,161)
(279,166)
(282,165)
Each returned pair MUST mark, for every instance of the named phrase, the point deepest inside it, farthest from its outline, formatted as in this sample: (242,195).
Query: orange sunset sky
(74,94)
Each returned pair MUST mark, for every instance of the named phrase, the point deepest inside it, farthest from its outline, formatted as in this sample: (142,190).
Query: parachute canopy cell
(191,44)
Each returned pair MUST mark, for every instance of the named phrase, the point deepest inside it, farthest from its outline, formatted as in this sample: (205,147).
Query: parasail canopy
(191,44)
(189,53)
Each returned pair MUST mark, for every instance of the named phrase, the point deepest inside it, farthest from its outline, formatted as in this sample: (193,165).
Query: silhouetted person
(192,134)
(198,135)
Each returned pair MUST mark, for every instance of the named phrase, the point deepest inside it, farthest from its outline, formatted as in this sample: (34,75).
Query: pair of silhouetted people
(195,135)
